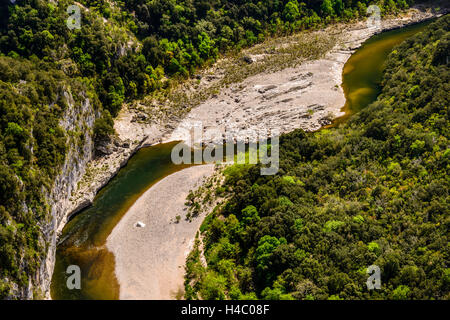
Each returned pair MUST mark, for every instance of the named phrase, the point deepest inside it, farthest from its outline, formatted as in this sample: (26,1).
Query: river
(83,239)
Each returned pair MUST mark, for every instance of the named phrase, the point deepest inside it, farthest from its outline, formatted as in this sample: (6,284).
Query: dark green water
(84,237)
(363,72)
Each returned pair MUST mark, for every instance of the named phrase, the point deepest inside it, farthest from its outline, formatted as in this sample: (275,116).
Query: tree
(266,246)
(401,293)
(327,8)
(291,11)
(213,287)
(103,127)
(250,215)
(338,7)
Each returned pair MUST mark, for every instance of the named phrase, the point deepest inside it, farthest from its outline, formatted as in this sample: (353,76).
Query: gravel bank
(150,260)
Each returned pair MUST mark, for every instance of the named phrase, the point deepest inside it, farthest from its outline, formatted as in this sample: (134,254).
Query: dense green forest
(124,50)
(373,191)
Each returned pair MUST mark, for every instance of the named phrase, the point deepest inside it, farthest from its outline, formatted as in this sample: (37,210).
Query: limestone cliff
(79,116)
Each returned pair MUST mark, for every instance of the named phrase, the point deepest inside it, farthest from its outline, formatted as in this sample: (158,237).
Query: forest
(372,191)
(123,51)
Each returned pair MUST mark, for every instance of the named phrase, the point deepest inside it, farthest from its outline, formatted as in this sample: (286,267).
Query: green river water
(83,240)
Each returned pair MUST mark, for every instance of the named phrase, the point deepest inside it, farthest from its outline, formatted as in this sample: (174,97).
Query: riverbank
(150,260)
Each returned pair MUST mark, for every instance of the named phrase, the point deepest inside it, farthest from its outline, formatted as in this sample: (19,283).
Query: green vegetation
(373,191)
(32,149)
(123,51)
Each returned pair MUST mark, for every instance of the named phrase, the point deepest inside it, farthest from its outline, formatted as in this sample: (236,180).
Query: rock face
(73,189)
(78,115)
